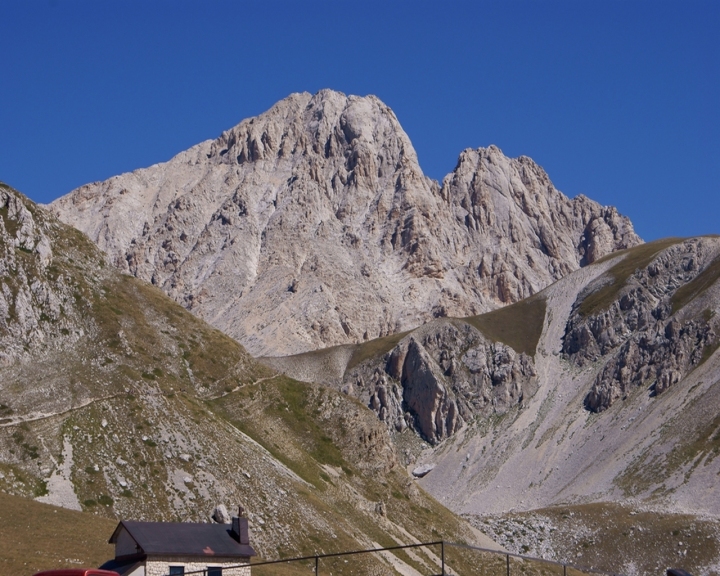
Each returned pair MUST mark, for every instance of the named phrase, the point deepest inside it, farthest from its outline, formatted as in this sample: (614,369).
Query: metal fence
(472,560)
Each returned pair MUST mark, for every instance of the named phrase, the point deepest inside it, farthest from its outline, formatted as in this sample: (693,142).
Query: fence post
(442,556)
(507,563)
(317,564)
(564,570)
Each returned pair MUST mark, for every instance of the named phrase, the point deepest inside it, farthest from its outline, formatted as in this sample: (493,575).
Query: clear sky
(618,100)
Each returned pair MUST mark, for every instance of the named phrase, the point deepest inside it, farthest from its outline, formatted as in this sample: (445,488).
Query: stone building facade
(160,566)
(174,549)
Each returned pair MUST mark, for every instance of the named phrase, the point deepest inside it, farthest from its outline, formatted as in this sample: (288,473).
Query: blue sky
(615,99)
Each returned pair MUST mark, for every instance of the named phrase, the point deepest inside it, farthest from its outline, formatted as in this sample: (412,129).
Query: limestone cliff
(643,331)
(441,377)
(602,387)
(116,401)
(313,225)
(36,302)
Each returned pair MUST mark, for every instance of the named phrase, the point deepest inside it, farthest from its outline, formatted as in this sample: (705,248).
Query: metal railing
(445,570)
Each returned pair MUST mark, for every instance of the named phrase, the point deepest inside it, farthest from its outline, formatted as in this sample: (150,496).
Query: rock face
(644,335)
(116,401)
(220,515)
(626,398)
(440,377)
(313,225)
(37,306)
(603,386)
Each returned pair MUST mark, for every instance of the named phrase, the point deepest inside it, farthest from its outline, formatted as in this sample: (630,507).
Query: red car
(77,572)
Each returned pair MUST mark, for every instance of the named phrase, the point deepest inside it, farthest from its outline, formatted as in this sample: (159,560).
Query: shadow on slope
(518,325)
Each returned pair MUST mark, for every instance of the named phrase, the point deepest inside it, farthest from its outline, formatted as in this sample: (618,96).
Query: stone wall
(160,566)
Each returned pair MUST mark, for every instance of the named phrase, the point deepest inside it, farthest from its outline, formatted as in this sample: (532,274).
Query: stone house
(169,548)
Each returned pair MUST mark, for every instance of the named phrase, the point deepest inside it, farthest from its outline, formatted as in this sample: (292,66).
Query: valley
(146,412)
(293,318)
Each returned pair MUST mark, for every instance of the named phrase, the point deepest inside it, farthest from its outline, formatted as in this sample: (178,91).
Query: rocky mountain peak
(329,124)
(36,305)
(313,224)
(117,402)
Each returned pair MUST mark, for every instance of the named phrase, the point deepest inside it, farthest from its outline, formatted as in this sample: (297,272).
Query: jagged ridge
(614,401)
(116,401)
(313,225)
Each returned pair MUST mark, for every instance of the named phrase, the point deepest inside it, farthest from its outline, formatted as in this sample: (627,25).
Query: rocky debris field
(484,345)
(498,409)
(610,538)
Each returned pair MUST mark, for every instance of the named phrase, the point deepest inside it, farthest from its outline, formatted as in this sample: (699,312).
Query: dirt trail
(33,416)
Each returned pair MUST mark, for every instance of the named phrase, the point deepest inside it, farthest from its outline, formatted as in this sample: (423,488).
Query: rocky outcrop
(655,359)
(144,411)
(506,429)
(440,377)
(220,515)
(615,398)
(643,333)
(313,225)
(529,224)
(38,309)
(623,405)
(436,414)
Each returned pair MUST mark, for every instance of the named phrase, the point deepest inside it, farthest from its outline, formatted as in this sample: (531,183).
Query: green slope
(137,409)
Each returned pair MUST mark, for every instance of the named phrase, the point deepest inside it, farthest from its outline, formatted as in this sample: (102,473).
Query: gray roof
(122,567)
(184,539)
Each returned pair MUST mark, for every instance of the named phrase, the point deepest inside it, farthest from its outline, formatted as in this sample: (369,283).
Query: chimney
(240,530)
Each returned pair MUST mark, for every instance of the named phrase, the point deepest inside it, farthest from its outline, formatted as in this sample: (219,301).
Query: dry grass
(309,427)
(696,443)
(36,537)
(375,348)
(697,286)
(291,407)
(143,312)
(134,356)
(636,258)
(518,325)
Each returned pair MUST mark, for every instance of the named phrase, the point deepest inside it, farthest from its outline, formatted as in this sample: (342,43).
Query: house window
(177,571)
(214,571)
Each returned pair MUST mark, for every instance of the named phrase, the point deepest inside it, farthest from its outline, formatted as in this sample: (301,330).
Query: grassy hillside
(687,292)
(122,404)
(518,325)
(635,258)
(36,537)
(345,457)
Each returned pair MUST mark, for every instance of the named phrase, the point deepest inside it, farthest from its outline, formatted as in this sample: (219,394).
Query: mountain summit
(313,225)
